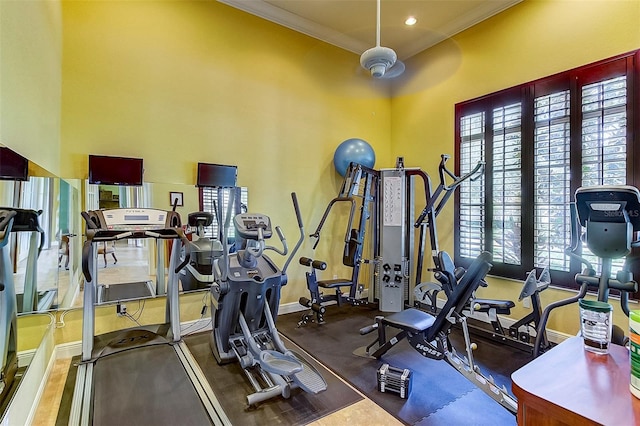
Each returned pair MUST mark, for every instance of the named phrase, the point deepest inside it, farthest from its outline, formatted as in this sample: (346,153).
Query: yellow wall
(178,82)
(30,80)
(533,39)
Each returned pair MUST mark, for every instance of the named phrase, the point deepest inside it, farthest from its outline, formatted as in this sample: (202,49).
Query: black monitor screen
(216,175)
(13,166)
(115,170)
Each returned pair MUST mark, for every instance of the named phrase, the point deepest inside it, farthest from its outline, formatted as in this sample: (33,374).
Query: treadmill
(32,300)
(142,375)
(123,219)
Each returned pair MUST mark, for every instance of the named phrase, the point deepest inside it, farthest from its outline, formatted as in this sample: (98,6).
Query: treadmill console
(26,220)
(247,225)
(134,220)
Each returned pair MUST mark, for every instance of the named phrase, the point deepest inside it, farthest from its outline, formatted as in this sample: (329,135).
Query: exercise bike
(244,304)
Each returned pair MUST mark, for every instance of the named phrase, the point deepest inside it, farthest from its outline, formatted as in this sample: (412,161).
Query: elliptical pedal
(278,363)
(308,379)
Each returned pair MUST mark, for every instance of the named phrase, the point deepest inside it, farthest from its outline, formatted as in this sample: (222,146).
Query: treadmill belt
(145,386)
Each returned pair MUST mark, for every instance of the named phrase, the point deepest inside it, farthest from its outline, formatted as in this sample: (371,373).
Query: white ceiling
(351,24)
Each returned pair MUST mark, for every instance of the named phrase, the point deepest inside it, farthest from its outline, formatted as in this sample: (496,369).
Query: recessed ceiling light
(411,20)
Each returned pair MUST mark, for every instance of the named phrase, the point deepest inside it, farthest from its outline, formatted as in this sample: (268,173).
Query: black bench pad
(412,320)
(334,283)
(502,306)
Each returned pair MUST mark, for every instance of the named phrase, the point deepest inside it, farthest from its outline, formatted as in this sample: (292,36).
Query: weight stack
(391,379)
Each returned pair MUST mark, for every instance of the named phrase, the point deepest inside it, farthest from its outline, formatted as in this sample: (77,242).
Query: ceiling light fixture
(411,20)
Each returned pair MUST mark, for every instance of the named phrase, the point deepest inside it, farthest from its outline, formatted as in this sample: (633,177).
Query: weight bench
(429,335)
(318,300)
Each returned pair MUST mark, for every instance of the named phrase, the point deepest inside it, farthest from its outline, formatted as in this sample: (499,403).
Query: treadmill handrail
(5,225)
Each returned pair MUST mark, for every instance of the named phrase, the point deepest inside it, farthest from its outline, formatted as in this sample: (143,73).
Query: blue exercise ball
(353,150)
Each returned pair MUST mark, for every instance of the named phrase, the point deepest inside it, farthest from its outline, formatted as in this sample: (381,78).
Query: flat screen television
(216,175)
(107,170)
(13,166)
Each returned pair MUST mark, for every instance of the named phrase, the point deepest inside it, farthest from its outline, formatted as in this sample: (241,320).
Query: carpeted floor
(440,395)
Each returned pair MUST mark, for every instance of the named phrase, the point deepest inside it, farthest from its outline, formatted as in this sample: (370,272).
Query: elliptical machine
(244,303)
(8,308)
(610,216)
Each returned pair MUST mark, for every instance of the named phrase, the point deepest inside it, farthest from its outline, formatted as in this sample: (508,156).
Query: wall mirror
(134,263)
(38,256)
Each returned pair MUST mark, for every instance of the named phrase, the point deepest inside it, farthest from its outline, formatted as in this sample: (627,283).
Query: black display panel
(107,170)
(13,166)
(216,175)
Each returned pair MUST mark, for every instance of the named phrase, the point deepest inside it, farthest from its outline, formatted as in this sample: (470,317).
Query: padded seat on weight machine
(412,320)
(501,306)
(334,283)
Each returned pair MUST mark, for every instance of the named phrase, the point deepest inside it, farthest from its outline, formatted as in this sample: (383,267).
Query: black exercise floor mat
(231,387)
(440,395)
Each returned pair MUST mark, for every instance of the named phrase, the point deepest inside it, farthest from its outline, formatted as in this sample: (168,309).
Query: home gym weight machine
(429,335)
(447,275)
(244,305)
(518,334)
(171,387)
(358,190)
(393,203)
(610,218)
(8,308)
(387,197)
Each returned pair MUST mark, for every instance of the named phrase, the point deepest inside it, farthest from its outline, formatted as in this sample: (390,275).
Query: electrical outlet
(121,309)
(526,302)
(335,276)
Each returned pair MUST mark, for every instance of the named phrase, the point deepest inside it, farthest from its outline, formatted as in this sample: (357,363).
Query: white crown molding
(295,22)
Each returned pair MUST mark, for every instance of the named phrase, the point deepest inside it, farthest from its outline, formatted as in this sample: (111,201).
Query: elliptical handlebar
(296,206)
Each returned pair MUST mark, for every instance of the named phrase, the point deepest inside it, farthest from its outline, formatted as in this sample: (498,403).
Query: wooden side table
(568,385)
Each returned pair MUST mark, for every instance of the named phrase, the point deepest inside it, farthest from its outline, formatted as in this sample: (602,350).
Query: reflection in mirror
(35,246)
(127,263)
(136,261)
(205,230)
(35,348)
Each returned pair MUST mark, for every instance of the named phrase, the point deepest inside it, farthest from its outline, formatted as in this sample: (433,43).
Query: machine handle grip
(187,252)
(86,254)
(296,206)
(368,329)
(90,223)
(4,220)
